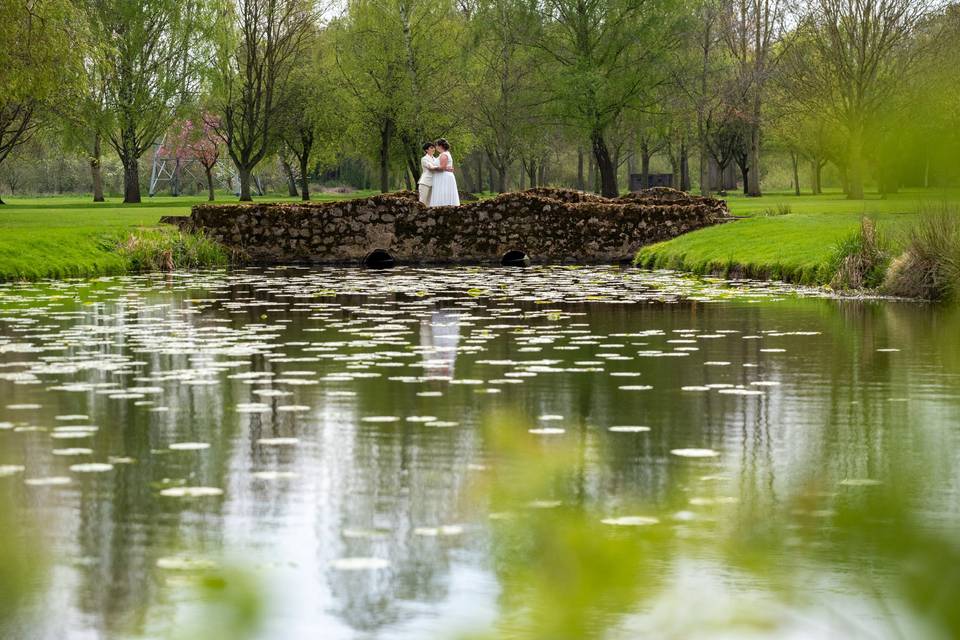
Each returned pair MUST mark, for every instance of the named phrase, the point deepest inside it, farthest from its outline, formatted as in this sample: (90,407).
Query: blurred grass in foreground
(572,569)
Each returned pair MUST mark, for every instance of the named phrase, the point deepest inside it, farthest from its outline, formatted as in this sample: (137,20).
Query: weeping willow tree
(398,64)
(606,57)
(37,62)
(149,53)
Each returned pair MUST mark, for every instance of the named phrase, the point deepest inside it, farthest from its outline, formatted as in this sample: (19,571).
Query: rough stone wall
(548,225)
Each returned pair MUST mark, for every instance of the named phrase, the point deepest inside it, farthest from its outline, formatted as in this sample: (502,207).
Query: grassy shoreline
(779,236)
(71,237)
(783,236)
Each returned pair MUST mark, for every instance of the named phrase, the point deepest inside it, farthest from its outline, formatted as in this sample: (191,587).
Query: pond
(469,452)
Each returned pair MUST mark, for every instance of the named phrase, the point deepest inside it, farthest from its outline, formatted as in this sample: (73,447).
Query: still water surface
(431,453)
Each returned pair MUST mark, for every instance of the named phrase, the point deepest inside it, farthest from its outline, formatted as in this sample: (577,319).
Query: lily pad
(631,521)
(360,564)
(191,492)
(91,467)
(694,453)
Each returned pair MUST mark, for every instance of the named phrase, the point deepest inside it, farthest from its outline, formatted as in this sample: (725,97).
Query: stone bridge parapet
(548,225)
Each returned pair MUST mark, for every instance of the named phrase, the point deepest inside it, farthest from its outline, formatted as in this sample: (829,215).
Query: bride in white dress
(444,193)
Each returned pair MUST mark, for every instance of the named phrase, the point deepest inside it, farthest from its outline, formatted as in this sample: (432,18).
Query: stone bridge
(547,225)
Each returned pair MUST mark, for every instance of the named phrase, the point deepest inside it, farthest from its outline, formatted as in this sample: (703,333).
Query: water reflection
(439,338)
(434,452)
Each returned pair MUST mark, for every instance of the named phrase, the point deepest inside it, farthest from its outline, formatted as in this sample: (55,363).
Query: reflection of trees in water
(364,488)
(401,476)
(122,526)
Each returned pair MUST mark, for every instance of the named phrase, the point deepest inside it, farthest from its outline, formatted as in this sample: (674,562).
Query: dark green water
(434,453)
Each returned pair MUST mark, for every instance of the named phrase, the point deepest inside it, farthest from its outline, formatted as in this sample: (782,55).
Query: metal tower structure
(168,171)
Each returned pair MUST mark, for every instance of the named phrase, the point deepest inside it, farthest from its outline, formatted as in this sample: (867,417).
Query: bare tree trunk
(743,163)
(531,168)
(131,181)
(386,133)
(704,169)
(491,178)
(675,178)
(684,167)
(502,179)
(608,171)
(244,174)
(542,173)
(175,182)
(523,179)
(645,166)
(752,186)
(753,177)
(796,172)
(580,182)
(291,179)
(592,173)
(209,172)
(96,170)
(816,171)
(304,178)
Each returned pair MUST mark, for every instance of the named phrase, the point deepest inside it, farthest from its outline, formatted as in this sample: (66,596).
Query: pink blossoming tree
(196,141)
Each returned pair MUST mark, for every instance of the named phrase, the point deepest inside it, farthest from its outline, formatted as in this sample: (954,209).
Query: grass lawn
(60,237)
(70,236)
(797,246)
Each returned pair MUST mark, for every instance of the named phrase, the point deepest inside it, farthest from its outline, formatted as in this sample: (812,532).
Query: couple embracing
(437,184)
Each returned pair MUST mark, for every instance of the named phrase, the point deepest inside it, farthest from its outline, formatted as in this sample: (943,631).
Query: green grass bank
(780,236)
(786,237)
(68,237)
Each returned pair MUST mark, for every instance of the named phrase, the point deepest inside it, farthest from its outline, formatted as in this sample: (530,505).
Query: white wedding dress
(444,193)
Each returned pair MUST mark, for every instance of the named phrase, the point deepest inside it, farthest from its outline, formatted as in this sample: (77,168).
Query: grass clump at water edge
(929,266)
(168,250)
(861,259)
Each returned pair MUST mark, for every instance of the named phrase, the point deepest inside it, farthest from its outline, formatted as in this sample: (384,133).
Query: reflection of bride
(438,342)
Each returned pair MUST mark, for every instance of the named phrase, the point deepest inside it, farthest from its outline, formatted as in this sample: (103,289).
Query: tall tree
(607,56)
(37,60)
(260,44)
(85,118)
(850,60)
(195,140)
(311,126)
(702,77)
(398,64)
(505,110)
(149,52)
(754,31)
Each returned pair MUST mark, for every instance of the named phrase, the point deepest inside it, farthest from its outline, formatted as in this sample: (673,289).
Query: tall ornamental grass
(929,266)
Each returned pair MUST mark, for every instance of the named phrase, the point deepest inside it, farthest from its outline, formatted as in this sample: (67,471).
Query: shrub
(929,267)
(861,260)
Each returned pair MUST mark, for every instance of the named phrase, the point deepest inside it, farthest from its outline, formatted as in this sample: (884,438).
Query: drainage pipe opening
(378,259)
(515,258)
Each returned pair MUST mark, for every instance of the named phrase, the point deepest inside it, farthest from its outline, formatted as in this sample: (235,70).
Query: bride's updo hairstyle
(443,144)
